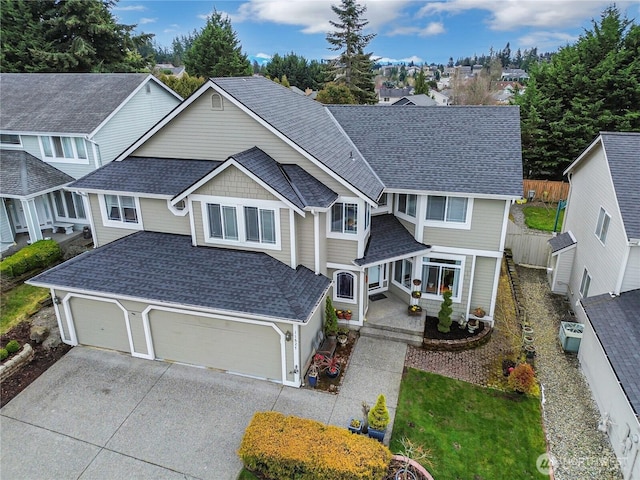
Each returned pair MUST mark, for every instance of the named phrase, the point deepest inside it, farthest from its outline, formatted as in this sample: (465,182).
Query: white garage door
(236,347)
(99,324)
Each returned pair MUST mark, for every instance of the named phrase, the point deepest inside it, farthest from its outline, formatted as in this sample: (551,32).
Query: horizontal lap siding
(309,335)
(158,218)
(139,114)
(341,251)
(199,132)
(631,279)
(483,283)
(31,145)
(485,233)
(103,235)
(305,241)
(233,183)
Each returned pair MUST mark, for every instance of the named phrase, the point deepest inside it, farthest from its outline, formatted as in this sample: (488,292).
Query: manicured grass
(18,303)
(472,432)
(542,218)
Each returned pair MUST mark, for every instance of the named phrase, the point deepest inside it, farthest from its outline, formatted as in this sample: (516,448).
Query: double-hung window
(407,204)
(585,283)
(121,211)
(241,224)
(602,226)
(344,218)
(402,271)
(68,205)
(10,140)
(63,148)
(442,274)
(451,210)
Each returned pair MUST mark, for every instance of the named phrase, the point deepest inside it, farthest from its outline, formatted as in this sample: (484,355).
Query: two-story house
(595,261)
(57,127)
(223,229)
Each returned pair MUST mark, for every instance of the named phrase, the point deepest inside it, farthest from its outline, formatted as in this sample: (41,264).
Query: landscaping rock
(38,333)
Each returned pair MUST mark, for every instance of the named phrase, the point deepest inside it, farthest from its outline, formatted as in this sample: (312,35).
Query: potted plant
(330,319)
(340,314)
(412,455)
(343,336)
(473,324)
(379,419)
(415,310)
(479,312)
(329,365)
(444,316)
(417,282)
(347,314)
(416,294)
(312,375)
(355,425)
(522,379)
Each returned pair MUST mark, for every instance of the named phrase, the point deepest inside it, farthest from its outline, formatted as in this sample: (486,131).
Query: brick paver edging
(459,344)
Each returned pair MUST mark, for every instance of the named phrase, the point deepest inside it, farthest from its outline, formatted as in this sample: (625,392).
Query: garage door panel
(238,347)
(99,324)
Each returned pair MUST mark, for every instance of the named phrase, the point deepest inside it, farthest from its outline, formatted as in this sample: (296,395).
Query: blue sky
(422,31)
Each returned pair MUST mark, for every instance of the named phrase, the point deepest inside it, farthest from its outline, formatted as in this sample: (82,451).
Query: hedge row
(277,446)
(40,254)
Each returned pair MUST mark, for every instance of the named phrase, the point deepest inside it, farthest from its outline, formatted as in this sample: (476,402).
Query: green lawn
(18,303)
(473,432)
(542,218)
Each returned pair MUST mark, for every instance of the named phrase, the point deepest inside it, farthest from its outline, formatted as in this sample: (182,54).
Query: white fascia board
(229,162)
(119,192)
(150,78)
(448,193)
(465,251)
(170,116)
(418,253)
(582,155)
(47,134)
(563,250)
(229,313)
(36,194)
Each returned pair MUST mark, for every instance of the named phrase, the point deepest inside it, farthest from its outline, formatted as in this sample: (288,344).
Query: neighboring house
(442,97)
(170,69)
(514,75)
(224,228)
(387,96)
(421,100)
(595,261)
(73,123)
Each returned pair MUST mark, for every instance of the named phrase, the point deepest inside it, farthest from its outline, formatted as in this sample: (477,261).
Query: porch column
(31,217)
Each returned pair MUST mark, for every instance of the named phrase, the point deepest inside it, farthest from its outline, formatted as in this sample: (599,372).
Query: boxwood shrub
(40,254)
(3,353)
(13,346)
(277,446)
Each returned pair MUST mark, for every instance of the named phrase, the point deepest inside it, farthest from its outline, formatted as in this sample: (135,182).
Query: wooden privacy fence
(545,190)
(528,248)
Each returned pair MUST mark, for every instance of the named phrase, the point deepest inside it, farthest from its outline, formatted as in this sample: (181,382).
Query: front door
(377,278)
(16,214)
(44,212)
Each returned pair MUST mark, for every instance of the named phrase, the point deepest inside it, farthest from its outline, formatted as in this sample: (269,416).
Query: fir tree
(444,316)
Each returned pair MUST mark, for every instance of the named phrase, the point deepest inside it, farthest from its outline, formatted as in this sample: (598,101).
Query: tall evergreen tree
(67,36)
(591,86)
(353,67)
(216,51)
(421,84)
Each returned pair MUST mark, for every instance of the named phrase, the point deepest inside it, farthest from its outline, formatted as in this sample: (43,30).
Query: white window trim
(438,296)
(393,276)
(66,208)
(360,232)
(388,208)
(466,225)
(12,145)
(107,222)
(402,215)
(239,204)
(585,280)
(75,159)
(602,214)
(176,210)
(355,287)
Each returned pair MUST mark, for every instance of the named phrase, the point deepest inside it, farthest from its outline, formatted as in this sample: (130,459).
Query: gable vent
(216,101)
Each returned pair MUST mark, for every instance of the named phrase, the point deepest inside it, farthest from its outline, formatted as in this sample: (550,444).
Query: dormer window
(56,148)
(216,101)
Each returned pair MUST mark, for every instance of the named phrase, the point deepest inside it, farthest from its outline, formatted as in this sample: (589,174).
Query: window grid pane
(46,146)
(252,228)
(80,148)
(406,278)
(79,206)
(411,205)
(351,217)
(457,209)
(215,220)
(230,223)
(66,147)
(57,198)
(345,286)
(268,222)
(336,217)
(113,207)
(71,209)
(435,207)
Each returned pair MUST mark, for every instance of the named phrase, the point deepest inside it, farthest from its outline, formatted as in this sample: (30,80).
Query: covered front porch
(388,316)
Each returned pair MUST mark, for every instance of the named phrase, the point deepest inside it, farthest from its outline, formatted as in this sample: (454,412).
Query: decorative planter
(472,325)
(340,314)
(377,434)
(529,351)
(405,474)
(353,429)
(528,339)
(415,310)
(416,294)
(313,380)
(333,373)
(342,339)
(527,330)
(347,315)
(417,282)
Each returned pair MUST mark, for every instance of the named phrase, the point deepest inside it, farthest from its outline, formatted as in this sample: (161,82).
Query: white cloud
(129,8)
(546,41)
(413,58)
(511,14)
(313,15)
(434,28)
(263,55)
(144,20)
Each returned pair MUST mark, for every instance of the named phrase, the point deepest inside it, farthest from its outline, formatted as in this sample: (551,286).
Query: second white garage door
(244,348)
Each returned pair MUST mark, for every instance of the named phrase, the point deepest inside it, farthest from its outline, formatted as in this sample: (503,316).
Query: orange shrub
(278,446)
(522,378)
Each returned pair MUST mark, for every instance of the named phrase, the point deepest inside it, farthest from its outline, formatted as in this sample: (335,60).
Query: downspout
(316,240)
(87,208)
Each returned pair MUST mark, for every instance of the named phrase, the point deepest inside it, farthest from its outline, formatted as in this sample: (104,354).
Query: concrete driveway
(103,415)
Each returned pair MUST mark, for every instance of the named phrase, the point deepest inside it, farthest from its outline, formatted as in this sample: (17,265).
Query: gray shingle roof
(22,174)
(615,321)
(389,239)
(308,124)
(62,102)
(560,242)
(623,155)
(421,100)
(161,267)
(466,149)
(290,181)
(160,176)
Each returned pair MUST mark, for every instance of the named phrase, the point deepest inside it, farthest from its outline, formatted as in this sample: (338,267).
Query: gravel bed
(570,414)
